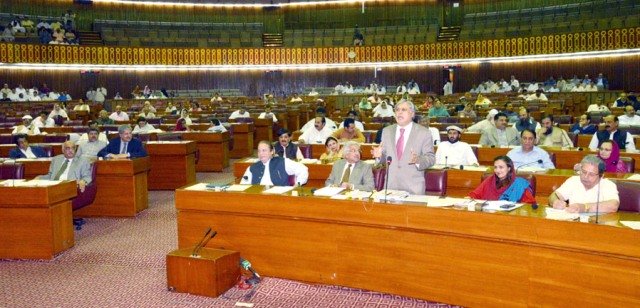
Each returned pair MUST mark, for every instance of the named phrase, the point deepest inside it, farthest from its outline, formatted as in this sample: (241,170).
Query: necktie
(124,148)
(346,175)
(62,169)
(400,144)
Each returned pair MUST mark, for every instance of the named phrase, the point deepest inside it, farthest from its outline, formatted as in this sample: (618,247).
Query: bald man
(68,167)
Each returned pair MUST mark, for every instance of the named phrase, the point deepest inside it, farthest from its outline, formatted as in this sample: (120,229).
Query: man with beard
(90,148)
(455,152)
(525,122)
(528,154)
(499,135)
(284,148)
(623,139)
(318,134)
(549,135)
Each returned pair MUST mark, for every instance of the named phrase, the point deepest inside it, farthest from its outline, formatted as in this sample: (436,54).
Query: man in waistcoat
(270,170)
(623,139)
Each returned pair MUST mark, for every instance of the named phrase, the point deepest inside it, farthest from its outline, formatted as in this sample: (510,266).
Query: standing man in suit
(499,135)
(410,146)
(68,167)
(123,147)
(350,172)
(23,150)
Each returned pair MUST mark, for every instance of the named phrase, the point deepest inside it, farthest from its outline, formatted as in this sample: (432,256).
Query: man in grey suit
(500,135)
(410,147)
(350,172)
(68,167)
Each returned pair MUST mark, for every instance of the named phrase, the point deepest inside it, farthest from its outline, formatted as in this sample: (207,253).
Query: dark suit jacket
(16,153)
(134,148)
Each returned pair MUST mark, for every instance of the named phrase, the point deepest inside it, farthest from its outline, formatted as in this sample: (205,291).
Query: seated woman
(181,126)
(609,152)
(503,184)
(333,152)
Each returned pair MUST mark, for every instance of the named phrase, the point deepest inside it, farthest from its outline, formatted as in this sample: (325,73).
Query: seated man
(584,126)
(588,192)
(350,172)
(598,107)
(525,121)
(23,150)
(119,115)
(623,139)
(90,148)
(267,114)
(103,118)
(499,134)
(123,147)
(352,114)
(101,136)
(285,148)
(485,124)
(528,154)
(43,120)
(629,117)
(453,151)
(270,170)
(550,135)
(320,112)
(349,132)
(82,106)
(438,110)
(143,127)
(27,127)
(216,126)
(318,134)
(67,166)
(240,113)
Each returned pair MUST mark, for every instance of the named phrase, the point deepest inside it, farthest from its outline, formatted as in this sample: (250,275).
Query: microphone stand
(446,165)
(386,178)
(598,202)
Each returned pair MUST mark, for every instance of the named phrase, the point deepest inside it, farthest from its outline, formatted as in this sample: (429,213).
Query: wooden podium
(212,273)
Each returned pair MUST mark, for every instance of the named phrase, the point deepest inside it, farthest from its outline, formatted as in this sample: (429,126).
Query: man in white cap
(26,127)
(484,124)
(453,151)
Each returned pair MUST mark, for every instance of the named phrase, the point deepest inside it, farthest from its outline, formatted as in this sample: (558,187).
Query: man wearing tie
(68,167)
(351,172)
(123,147)
(410,146)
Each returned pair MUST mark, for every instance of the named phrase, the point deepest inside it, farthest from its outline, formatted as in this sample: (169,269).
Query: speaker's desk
(444,254)
(172,164)
(36,222)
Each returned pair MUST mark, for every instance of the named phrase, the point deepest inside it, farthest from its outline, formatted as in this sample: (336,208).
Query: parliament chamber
(201,83)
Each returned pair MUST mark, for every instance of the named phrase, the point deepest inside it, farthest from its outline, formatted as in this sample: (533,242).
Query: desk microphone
(386,177)
(246,265)
(446,166)
(539,161)
(598,201)
(207,241)
(195,249)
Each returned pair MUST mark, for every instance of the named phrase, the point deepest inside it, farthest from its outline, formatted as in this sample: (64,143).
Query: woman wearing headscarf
(609,152)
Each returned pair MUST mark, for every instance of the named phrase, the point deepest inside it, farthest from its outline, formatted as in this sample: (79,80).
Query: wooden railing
(549,44)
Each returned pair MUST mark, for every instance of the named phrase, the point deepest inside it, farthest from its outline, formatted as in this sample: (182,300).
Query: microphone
(539,161)
(446,166)
(386,177)
(207,241)
(246,265)
(195,249)
(598,201)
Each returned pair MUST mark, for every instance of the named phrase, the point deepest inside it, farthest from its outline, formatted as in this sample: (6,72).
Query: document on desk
(532,169)
(278,190)
(635,177)
(420,198)
(9,183)
(309,161)
(199,186)
(328,191)
(501,205)
(557,214)
(237,187)
(37,183)
(444,202)
(635,225)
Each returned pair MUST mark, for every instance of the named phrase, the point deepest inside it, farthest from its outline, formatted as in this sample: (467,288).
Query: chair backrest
(292,180)
(153,121)
(143,137)
(11,171)
(629,193)
(48,150)
(306,149)
(552,157)
(89,194)
(6,139)
(630,163)
(72,123)
(435,182)
(55,138)
(170,137)
(527,176)
(379,175)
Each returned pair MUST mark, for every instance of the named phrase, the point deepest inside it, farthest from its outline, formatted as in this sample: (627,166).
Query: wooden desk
(264,131)
(35,167)
(172,164)
(122,189)
(242,140)
(454,256)
(36,222)
(213,148)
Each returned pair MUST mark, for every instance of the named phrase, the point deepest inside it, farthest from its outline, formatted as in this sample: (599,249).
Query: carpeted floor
(121,263)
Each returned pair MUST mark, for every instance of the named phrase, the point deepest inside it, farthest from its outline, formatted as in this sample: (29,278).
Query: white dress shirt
(459,153)
(292,168)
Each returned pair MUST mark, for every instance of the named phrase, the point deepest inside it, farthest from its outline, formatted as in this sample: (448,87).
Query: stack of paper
(328,191)
(631,224)
(309,161)
(556,214)
(278,190)
(501,205)
(237,187)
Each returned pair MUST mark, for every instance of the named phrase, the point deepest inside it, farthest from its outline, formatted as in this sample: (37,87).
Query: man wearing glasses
(588,192)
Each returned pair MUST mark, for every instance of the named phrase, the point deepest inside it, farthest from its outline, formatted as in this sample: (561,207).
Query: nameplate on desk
(557,214)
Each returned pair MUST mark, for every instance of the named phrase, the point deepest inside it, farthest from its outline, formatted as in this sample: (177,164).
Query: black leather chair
(11,171)
(55,138)
(170,137)
(306,150)
(630,163)
(379,176)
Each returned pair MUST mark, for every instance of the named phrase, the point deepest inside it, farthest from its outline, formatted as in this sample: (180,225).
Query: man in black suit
(123,147)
